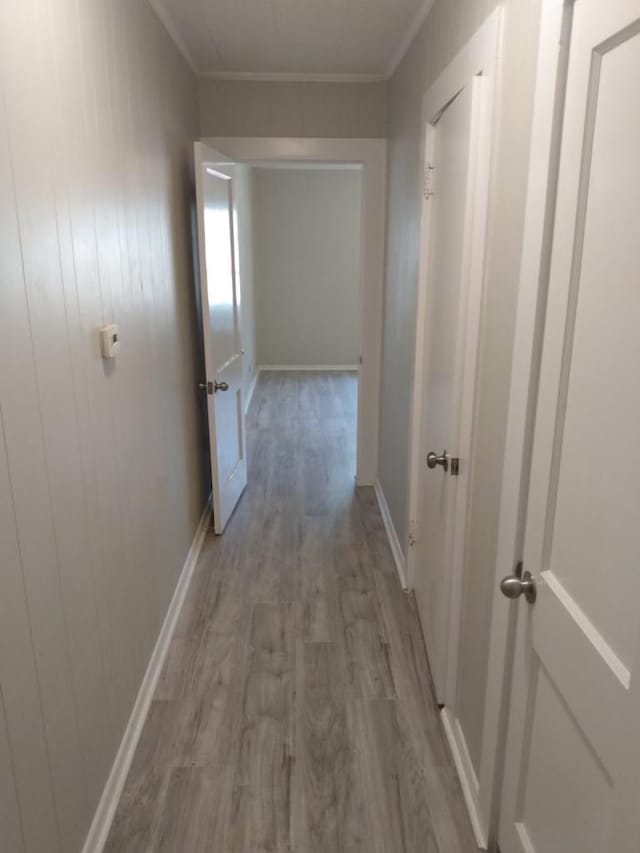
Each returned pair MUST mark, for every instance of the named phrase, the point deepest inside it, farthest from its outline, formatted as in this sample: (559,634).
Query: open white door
(450,175)
(572,772)
(221,330)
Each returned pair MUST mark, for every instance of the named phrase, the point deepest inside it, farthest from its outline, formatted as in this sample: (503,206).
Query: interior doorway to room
(371,156)
(291,306)
(300,252)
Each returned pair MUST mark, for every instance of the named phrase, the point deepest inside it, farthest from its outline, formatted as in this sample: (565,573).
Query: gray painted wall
(447,27)
(307,228)
(328,110)
(102,480)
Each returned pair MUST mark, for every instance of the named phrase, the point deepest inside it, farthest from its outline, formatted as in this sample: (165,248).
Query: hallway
(295,710)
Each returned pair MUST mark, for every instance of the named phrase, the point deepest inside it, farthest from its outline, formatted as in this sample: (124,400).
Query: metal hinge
(428,181)
(412,533)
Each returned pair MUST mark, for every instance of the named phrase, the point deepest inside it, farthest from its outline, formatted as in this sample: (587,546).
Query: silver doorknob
(212,387)
(435,459)
(513,587)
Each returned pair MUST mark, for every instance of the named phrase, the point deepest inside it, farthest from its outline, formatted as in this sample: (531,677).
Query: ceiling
(293,39)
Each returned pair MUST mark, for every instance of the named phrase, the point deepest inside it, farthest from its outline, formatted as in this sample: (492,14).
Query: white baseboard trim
(392,536)
(103,817)
(252,388)
(466,774)
(325,368)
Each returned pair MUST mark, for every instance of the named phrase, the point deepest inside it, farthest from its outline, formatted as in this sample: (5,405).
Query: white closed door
(447,185)
(572,774)
(221,331)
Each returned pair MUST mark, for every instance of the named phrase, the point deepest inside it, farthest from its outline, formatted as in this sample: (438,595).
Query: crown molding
(175,36)
(410,34)
(292,77)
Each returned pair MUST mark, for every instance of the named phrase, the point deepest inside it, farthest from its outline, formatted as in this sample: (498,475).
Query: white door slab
(572,772)
(459,114)
(447,184)
(221,330)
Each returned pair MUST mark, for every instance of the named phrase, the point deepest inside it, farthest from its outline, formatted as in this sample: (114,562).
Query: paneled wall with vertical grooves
(101,464)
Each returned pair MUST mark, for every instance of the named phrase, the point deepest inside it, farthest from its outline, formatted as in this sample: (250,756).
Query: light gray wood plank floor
(295,711)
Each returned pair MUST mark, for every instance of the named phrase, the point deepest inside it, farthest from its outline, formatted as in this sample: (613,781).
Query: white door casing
(459,119)
(572,768)
(217,251)
(371,154)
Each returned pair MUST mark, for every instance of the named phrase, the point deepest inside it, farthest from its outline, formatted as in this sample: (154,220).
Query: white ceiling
(293,39)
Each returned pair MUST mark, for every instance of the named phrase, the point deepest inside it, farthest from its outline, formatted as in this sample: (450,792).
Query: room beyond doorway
(304,290)
(307,223)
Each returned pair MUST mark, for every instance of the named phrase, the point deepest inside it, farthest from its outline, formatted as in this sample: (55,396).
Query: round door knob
(435,459)
(513,587)
(220,386)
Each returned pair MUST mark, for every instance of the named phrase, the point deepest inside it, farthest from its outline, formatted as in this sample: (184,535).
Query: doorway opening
(370,156)
(360,164)
(300,247)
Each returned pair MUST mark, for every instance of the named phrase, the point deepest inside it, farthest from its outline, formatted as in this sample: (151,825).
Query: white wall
(102,475)
(447,27)
(250,108)
(307,231)
(243,182)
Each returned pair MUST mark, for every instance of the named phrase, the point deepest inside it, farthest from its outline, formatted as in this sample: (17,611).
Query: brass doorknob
(513,587)
(435,459)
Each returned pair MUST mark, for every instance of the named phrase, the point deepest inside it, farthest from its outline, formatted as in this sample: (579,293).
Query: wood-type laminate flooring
(295,712)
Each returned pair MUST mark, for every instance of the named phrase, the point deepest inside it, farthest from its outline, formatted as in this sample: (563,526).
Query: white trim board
(292,77)
(252,388)
(466,773)
(371,155)
(392,536)
(104,814)
(324,368)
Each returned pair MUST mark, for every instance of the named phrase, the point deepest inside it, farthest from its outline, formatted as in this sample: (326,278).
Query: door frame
(476,64)
(371,155)
(529,332)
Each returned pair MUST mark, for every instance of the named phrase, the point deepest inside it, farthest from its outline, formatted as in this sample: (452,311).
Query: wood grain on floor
(295,712)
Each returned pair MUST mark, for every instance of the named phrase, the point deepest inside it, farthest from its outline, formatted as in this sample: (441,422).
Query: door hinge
(428,181)
(412,533)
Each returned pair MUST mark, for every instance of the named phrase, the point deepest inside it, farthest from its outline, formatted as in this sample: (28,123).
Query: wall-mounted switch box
(109,341)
